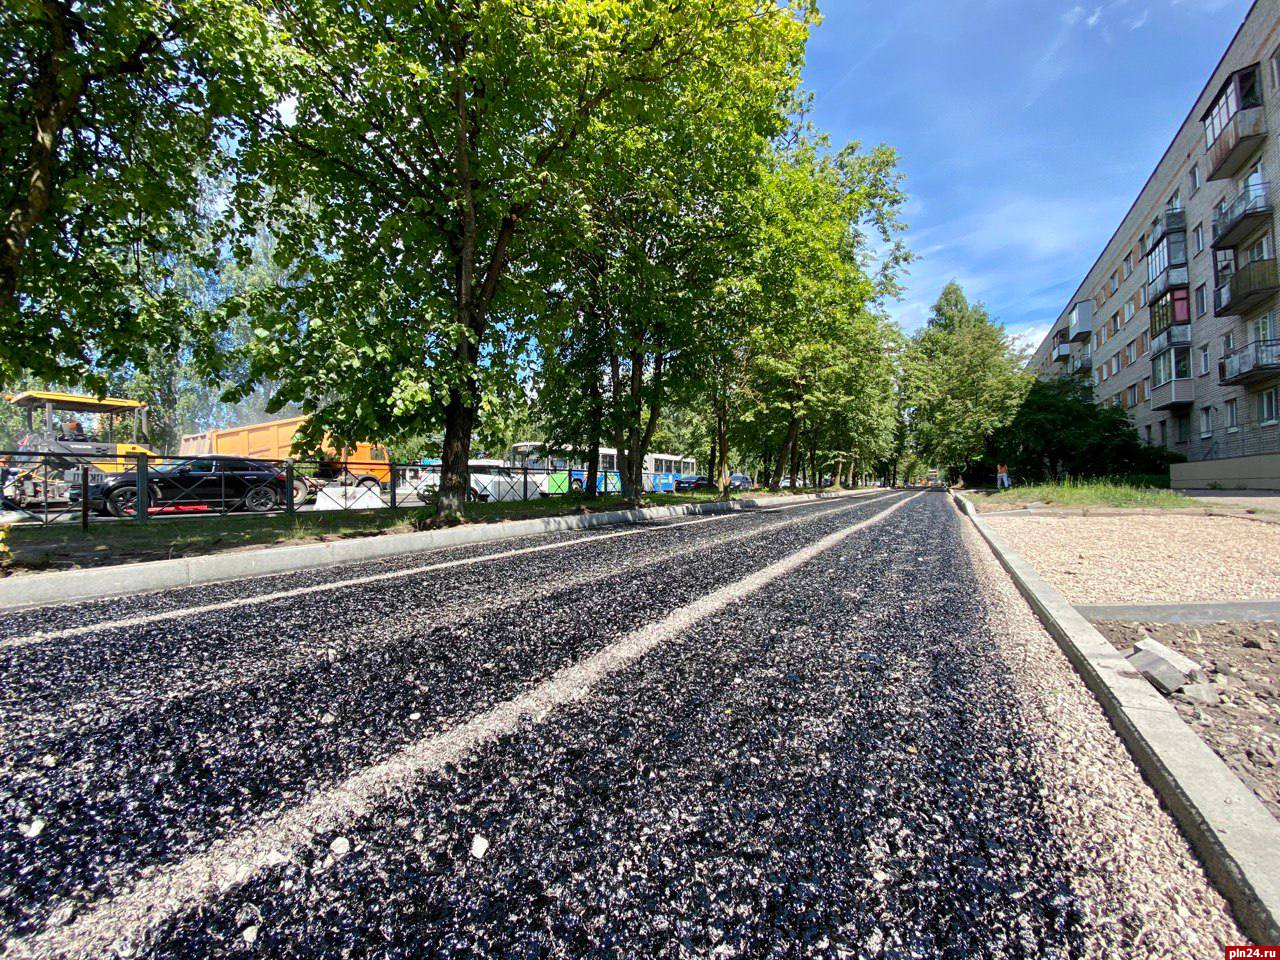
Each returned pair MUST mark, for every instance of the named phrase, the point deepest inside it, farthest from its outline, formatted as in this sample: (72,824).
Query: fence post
(142,483)
(290,506)
(394,487)
(526,481)
(84,497)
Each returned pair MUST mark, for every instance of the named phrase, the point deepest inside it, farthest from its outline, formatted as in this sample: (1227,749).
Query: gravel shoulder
(1149,559)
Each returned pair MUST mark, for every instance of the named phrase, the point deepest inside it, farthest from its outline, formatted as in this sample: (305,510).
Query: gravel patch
(1149,559)
(1142,889)
(1243,664)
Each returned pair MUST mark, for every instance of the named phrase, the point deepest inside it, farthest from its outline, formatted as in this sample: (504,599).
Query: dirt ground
(1243,664)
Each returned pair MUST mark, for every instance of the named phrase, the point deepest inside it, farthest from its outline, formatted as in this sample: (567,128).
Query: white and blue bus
(565,470)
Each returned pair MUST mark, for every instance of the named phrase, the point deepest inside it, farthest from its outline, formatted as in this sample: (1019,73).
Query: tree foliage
(963,380)
(114,111)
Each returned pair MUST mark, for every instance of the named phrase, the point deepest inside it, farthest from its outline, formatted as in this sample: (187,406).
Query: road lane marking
(239,602)
(126,919)
(105,711)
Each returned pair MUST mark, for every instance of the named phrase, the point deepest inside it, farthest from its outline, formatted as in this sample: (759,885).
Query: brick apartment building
(1178,321)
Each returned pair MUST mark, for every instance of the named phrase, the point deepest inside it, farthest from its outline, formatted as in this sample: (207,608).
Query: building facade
(1178,321)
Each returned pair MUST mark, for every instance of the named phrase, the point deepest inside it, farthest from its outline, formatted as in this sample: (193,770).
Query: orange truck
(366,464)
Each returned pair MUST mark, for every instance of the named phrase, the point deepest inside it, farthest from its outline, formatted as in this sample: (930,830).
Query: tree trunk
(793,428)
(455,477)
(593,456)
(722,445)
(795,458)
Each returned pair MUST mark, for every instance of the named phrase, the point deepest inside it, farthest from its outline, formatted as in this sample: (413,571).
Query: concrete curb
(99,583)
(1229,611)
(1235,837)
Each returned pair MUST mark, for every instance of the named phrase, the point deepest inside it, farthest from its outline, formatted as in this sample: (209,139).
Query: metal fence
(44,487)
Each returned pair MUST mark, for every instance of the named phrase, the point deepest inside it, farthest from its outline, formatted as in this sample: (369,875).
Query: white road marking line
(104,711)
(161,616)
(129,917)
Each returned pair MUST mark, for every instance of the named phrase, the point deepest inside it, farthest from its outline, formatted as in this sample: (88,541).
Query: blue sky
(1025,127)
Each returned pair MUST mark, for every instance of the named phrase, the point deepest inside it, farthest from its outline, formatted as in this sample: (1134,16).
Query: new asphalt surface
(785,732)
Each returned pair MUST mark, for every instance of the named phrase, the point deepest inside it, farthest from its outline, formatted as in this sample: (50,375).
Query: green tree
(1059,431)
(963,379)
(113,113)
(432,142)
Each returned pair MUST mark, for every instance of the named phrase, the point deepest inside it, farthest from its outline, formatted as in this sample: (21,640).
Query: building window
(1204,360)
(1198,236)
(1228,343)
(1164,433)
(1132,396)
(1130,352)
(1145,395)
(1114,284)
(1269,406)
(1206,422)
(1128,265)
(1233,416)
(1202,300)
(1114,327)
(1148,429)
(1129,309)
(1194,177)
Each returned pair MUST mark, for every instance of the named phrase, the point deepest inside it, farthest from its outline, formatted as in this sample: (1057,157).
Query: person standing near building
(1002,476)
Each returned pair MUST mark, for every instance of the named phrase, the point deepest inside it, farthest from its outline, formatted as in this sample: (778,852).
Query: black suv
(196,485)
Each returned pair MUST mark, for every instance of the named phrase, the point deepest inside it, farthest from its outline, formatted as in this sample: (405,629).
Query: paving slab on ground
(835,731)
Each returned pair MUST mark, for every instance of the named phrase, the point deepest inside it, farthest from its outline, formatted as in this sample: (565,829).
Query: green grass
(1085,493)
(62,546)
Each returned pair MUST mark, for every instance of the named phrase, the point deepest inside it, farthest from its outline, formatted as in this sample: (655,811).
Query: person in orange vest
(1002,476)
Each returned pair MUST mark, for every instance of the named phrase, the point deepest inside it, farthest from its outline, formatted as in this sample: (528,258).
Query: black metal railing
(54,487)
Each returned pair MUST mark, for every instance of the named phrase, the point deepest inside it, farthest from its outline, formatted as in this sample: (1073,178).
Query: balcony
(1173,395)
(1061,352)
(1082,362)
(1245,214)
(1080,321)
(1253,362)
(1169,220)
(1237,143)
(1249,286)
(1170,336)
(1174,275)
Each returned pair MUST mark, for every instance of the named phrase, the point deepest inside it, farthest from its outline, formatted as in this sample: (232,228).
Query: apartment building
(1178,321)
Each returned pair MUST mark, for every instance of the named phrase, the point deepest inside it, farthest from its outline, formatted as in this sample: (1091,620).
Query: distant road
(819,729)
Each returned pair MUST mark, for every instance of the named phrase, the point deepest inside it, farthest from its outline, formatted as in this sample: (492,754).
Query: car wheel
(123,502)
(301,493)
(576,486)
(260,499)
(370,483)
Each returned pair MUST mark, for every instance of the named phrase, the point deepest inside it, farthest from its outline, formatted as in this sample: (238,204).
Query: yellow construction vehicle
(47,461)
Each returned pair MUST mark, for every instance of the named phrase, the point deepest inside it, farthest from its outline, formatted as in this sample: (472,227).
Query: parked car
(694,483)
(740,481)
(196,485)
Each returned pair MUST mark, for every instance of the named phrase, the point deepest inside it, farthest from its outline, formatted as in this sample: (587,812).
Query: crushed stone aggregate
(881,754)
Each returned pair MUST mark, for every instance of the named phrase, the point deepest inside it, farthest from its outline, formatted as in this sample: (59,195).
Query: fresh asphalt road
(780,732)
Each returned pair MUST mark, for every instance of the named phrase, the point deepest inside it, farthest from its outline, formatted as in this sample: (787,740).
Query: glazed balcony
(1173,395)
(1169,220)
(1237,143)
(1082,362)
(1170,336)
(1251,285)
(1250,210)
(1174,275)
(1061,352)
(1080,322)
(1256,361)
